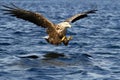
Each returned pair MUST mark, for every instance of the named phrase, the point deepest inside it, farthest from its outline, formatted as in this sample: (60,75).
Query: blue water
(93,54)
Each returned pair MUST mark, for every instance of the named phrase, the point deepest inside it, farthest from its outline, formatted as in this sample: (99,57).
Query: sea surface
(92,54)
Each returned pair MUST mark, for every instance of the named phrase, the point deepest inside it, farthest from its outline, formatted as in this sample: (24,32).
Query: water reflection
(46,56)
(54,59)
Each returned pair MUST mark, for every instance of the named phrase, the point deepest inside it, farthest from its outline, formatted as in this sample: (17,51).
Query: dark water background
(93,54)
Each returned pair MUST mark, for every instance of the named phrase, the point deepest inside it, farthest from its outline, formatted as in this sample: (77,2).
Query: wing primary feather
(7,7)
(14,6)
(91,11)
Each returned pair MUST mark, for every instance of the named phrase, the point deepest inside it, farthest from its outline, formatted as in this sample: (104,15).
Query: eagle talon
(63,38)
(69,38)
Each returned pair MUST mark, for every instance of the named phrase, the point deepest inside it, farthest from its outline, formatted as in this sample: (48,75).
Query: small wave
(113,46)
(5,44)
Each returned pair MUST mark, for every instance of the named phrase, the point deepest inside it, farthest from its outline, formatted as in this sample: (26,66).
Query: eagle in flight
(56,32)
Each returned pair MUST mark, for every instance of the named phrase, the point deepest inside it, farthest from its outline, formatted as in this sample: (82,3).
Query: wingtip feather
(92,11)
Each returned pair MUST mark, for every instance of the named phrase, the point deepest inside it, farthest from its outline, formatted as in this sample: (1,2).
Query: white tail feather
(45,37)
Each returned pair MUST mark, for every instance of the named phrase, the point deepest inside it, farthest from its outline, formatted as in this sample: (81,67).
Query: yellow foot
(69,38)
(63,38)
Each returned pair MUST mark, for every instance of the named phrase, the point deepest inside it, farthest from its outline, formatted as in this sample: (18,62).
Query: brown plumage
(56,32)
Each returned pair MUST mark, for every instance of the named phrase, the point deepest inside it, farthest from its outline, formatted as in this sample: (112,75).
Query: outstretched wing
(30,16)
(79,16)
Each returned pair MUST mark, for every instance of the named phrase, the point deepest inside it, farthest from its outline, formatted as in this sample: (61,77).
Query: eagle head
(65,24)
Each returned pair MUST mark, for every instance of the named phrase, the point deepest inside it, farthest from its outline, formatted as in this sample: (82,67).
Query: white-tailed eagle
(56,32)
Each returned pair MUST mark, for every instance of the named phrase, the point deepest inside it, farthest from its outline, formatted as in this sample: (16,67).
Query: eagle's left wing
(79,16)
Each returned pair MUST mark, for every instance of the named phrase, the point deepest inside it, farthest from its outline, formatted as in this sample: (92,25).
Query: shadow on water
(59,63)
(50,63)
(55,59)
(47,56)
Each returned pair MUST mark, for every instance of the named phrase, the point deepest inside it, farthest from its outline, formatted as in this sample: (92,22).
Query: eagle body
(59,33)
(56,32)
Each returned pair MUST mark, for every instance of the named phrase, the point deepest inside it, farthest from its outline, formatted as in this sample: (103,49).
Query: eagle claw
(69,38)
(63,38)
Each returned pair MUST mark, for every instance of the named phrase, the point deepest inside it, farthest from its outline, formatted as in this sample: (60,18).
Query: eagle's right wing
(30,16)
